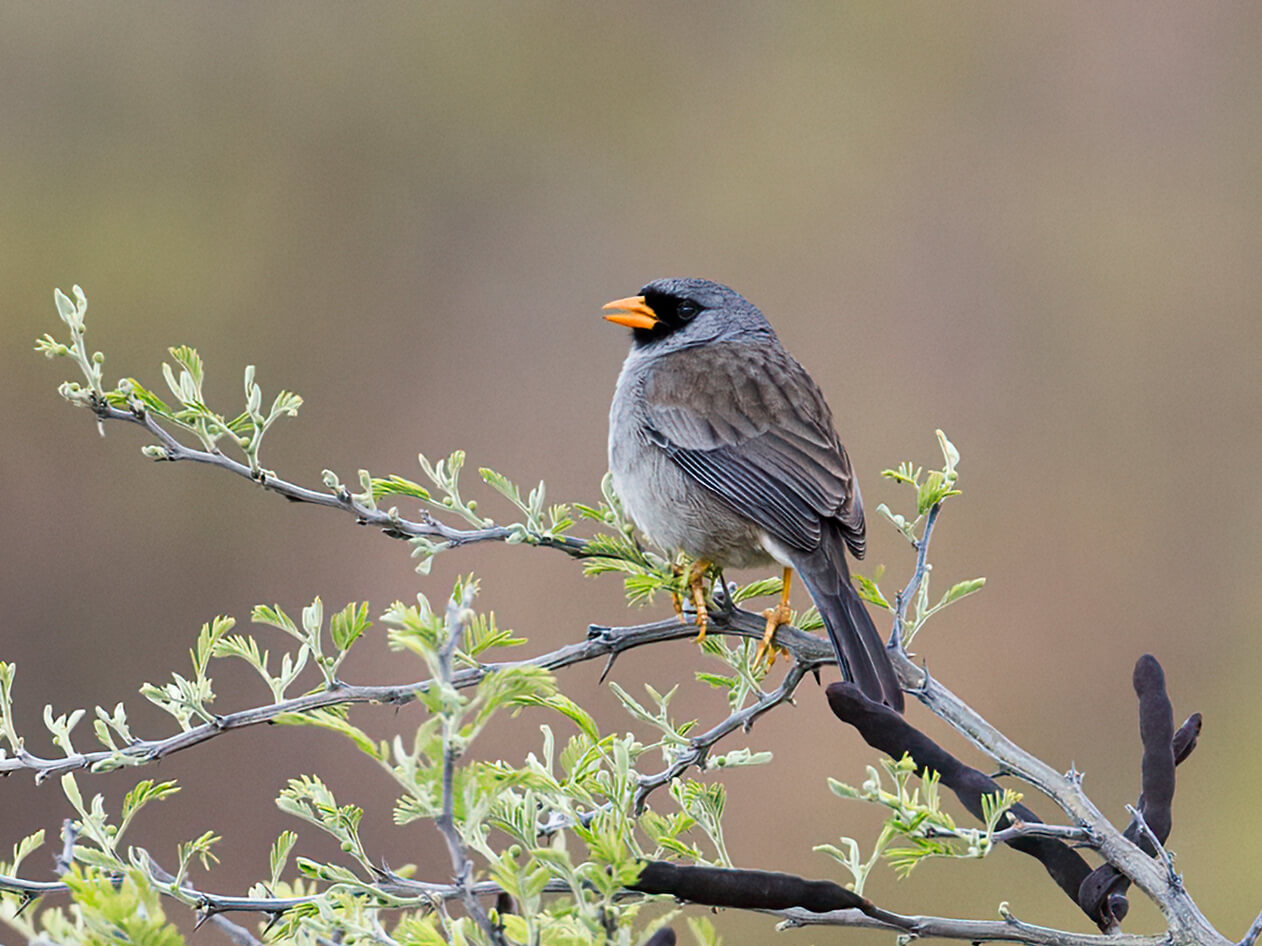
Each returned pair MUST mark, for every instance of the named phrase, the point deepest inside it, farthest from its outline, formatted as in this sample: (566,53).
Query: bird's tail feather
(860,651)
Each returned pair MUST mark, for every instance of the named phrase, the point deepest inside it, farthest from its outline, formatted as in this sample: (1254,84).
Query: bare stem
(392,525)
(699,747)
(904,597)
(458,615)
(978,931)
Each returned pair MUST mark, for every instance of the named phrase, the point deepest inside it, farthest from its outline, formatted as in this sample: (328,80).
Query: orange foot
(675,598)
(696,582)
(780,614)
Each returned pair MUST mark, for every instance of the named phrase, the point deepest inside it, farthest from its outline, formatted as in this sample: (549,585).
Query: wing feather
(749,424)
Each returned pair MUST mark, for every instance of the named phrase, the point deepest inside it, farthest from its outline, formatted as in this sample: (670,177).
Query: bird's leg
(696,581)
(675,598)
(780,614)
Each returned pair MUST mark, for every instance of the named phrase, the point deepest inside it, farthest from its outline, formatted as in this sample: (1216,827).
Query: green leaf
(275,617)
(25,848)
(715,680)
(809,620)
(331,720)
(141,794)
(703,931)
(65,308)
(870,592)
(569,709)
(280,854)
(347,625)
(758,589)
(398,486)
(70,788)
(949,454)
(150,400)
(843,790)
(961,590)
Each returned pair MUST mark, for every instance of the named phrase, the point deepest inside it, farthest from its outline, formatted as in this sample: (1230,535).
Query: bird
(722,447)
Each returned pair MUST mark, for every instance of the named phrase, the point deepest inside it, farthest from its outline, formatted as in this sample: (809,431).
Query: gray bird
(722,446)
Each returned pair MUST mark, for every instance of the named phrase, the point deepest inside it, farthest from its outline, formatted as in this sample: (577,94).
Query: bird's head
(680,313)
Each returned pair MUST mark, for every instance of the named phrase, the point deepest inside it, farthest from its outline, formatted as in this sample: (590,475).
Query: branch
(799,901)
(1022,829)
(458,615)
(1105,888)
(234,931)
(889,732)
(1187,923)
(904,597)
(602,641)
(392,525)
(699,746)
(977,931)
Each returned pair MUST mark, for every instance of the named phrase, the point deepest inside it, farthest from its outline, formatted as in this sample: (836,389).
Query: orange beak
(633,312)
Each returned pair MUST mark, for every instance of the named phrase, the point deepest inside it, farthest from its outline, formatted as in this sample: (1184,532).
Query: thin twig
(458,615)
(393,526)
(1166,858)
(1184,917)
(977,931)
(698,748)
(903,598)
(1023,829)
(69,834)
(234,931)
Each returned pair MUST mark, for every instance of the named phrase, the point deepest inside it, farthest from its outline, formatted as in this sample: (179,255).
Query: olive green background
(1034,225)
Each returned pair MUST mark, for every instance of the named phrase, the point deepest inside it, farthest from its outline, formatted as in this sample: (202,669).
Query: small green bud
(98,358)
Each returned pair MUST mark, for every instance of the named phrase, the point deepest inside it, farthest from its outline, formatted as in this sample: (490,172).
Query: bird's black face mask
(653,315)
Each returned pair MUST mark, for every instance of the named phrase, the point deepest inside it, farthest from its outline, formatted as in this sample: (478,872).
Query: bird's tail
(860,651)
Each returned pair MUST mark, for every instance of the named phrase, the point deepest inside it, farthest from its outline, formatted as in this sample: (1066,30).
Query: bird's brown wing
(749,424)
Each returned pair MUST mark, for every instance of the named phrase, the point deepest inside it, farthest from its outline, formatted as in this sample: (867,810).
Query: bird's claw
(767,649)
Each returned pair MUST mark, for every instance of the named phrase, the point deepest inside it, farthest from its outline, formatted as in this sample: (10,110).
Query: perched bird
(722,446)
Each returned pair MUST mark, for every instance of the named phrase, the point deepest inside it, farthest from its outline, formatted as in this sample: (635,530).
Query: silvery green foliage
(558,828)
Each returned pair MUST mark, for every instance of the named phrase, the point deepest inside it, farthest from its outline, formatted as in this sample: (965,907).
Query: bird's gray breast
(674,510)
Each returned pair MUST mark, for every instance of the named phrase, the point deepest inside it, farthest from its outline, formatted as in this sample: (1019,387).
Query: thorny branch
(234,931)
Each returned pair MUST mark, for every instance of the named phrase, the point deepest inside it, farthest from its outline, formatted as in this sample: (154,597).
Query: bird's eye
(686,310)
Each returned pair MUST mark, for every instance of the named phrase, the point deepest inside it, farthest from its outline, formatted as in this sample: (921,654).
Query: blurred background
(1035,226)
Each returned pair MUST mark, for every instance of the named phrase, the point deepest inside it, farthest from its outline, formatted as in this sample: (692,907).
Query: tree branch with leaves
(591,836)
